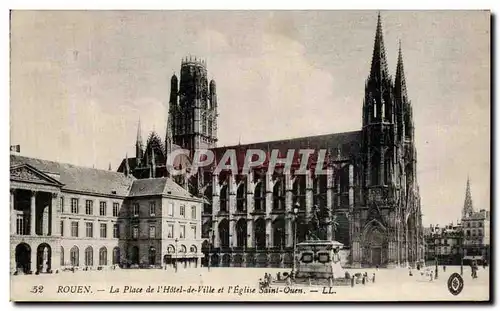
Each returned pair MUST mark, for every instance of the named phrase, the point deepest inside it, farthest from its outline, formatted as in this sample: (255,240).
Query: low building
(63,215)
(468,240)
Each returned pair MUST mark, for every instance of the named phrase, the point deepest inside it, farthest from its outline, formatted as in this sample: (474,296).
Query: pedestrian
(409,271)
(444,268)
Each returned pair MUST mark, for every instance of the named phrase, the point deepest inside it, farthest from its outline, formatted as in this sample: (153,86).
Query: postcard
(250,156)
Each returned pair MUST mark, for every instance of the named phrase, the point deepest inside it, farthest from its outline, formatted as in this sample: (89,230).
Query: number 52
(37,289)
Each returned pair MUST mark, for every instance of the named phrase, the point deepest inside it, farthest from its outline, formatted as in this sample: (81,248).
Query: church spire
(379,69)
(138,144)
(400,81)
(468,209)
(403,109)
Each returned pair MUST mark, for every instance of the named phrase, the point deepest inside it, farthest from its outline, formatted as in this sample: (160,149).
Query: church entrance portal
(376,256)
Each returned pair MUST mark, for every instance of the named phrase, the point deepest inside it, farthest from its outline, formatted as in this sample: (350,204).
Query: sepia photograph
(251,155)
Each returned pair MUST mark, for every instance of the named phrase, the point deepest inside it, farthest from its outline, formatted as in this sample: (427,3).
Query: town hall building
(67,217)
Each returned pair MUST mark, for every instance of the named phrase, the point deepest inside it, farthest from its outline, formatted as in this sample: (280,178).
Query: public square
(390,285)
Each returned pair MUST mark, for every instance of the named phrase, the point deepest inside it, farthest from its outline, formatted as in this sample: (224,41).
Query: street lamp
(176,251)
(295,214)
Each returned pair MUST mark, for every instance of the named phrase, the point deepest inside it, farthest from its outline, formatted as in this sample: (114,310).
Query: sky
(80,81)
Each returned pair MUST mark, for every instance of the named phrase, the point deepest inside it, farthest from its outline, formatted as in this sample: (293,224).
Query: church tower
(378,124)
(193,107)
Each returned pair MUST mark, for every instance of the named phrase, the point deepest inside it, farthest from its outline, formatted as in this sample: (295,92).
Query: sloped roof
(340,145)
(158,186)
(79,178)
(348,142)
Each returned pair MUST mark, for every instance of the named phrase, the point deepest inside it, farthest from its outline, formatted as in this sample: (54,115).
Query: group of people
(267,280)
(429,272)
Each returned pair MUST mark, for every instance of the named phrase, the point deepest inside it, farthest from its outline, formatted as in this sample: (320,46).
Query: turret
(213,95)
(174,90)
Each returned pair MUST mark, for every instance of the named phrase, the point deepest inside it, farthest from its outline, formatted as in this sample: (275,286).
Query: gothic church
(368,200)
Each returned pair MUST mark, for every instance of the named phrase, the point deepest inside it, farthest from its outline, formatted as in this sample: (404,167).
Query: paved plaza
(390,285)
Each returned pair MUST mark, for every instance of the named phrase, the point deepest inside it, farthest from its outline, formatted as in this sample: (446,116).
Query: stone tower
(378,125)
(193,107)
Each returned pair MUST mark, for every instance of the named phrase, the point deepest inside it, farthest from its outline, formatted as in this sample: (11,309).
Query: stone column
(309,193)
(288,209)
(382,167)
(249,194)
(269,233)
(232,232)
(34,267)
(250,233)
(351,202)
(54,215)
(269,193)
(45,220)
(215,210)
(289,230)
(216,233)
(13,215)
(329,200)
(33,215)
(232,209)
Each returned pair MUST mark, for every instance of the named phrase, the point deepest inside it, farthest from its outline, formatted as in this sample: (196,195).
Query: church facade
(368,199)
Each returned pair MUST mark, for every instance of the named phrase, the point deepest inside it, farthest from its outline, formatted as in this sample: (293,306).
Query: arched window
(170,249)
(387,167)
(103,256)
(279,195)
(207,206)
(241,200)
(224,198)
(260,233)
(224,233)
(279,233)
(193,249)
(62,256)
(241,232)
(89,256)
(299,191)
(260,196)
(74,256)
(182,249)
(319,191)
(116,255)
